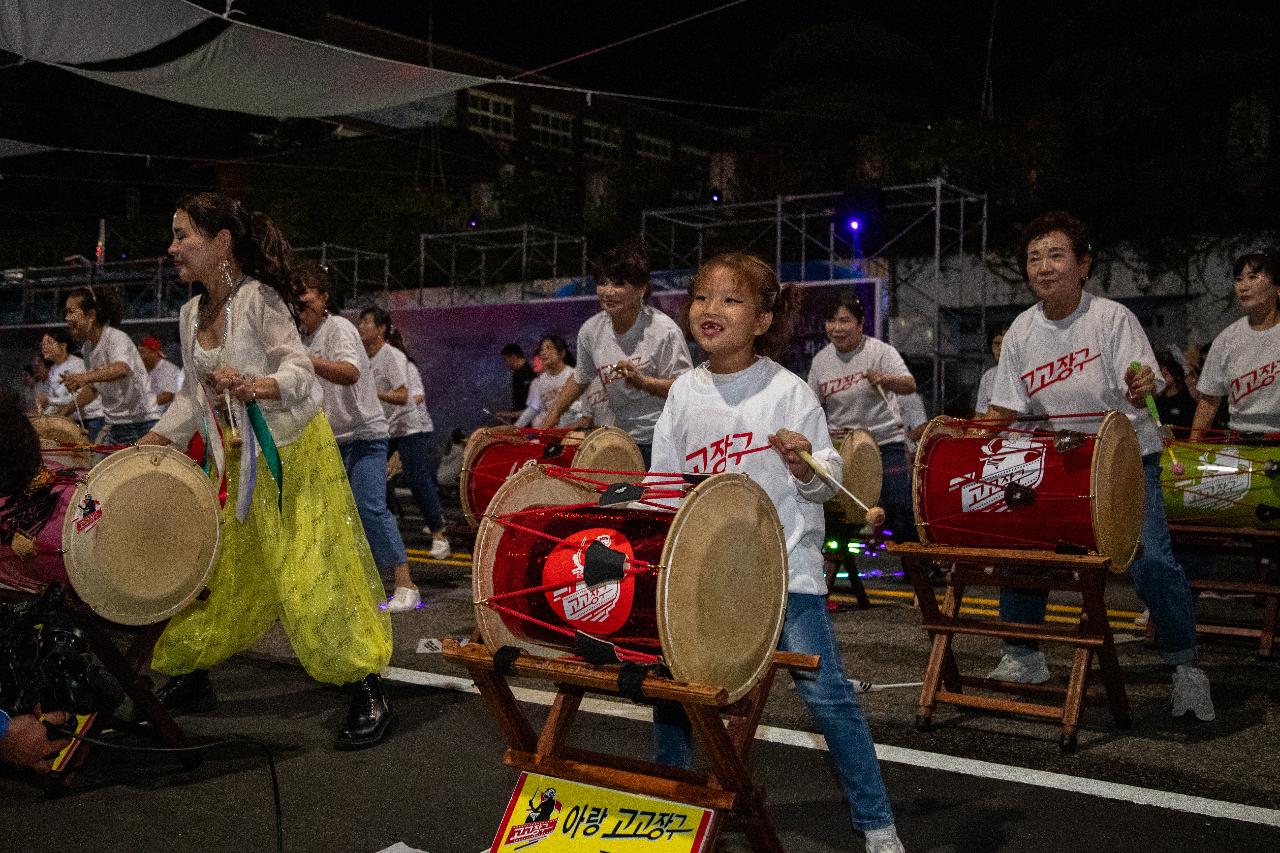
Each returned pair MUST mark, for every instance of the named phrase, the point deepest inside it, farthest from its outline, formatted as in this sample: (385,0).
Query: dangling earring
(225,269)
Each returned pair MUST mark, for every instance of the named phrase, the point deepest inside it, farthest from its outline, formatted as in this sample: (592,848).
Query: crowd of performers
(262,346)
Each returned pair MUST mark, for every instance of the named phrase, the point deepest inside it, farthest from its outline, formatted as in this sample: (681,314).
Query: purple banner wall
(458,348)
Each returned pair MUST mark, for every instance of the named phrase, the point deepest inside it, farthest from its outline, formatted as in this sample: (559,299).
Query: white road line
(901,755)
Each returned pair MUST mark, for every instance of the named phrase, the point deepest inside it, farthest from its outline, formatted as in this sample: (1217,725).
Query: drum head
(722,588)
(479,440)
(1119,491)
(142,535)
(863,474)
(528,487)
(940,427)
(55,431)
(610,449)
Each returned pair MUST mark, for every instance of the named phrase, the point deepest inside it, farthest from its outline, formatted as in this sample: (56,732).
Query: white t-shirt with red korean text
(1243,366)
(718,422)
(1076,365)
(654,344)
(850,401)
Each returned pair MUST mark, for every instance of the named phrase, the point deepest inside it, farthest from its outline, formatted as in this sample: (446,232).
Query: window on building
(491,115)
(551,129)
(653,147)
(601,141)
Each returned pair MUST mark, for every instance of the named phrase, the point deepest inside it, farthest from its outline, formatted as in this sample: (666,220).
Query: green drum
(1222,484)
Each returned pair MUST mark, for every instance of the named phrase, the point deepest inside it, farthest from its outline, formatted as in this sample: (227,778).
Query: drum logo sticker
(1224,478)
(1004,461)
(600,609)
(87,513)
(539,822)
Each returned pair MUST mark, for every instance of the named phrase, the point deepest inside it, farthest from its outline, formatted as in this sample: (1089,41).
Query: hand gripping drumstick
(875,515)
(1174,464)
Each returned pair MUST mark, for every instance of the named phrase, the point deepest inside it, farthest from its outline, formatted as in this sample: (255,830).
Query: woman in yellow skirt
(293,548)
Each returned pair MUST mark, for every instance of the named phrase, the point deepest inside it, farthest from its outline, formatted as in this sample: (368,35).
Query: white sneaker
(1191,693)
(884,841)
(404,600)
(440,548)
(859,686)
(1028,668)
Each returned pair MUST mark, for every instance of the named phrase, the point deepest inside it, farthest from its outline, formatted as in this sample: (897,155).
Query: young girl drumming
(740,316)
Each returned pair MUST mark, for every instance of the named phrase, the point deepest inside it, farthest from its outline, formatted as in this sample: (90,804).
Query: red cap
(153,343)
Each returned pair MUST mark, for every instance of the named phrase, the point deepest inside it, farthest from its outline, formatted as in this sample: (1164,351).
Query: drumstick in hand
(875,515)
(1174,464)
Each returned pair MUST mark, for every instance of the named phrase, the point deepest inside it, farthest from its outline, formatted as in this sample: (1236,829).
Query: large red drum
(493,454)
(136,537)
(704,587)
(1065,491)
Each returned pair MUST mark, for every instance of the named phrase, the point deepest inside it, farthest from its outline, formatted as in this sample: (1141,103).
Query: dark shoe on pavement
(369,718)
(191,693)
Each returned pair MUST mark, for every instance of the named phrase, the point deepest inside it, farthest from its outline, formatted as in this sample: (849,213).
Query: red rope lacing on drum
(941,522)
(651,496)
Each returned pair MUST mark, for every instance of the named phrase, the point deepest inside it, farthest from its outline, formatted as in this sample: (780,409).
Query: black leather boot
(369,718)
(188,694)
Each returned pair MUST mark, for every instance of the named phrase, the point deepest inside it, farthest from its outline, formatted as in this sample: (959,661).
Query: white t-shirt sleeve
(812,423)
(1007,388)
(1131,345)
(1213,378)
(586,368)
(533,405)
(983,403)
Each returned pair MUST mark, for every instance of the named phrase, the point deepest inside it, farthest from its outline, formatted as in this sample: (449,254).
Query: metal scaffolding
(802,229)
(524,254)
(150,288)
(353,270)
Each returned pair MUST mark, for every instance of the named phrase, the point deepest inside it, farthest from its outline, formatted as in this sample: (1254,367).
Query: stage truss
(800,230)
(537,259)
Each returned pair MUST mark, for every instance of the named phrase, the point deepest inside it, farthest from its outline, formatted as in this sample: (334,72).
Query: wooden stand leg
(725,729)
(1024,570)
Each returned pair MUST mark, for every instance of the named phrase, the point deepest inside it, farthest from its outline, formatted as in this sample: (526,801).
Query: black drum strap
(593,650)
(631,680)
(504,660)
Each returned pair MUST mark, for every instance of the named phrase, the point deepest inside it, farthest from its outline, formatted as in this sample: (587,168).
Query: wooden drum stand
(725,730)
(1090,637)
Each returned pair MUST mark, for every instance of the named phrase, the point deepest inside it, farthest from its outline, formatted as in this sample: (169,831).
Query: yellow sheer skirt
(309,566)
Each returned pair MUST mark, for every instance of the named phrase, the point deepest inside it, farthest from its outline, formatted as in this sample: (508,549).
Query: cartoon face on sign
(601,609)
(1004,461)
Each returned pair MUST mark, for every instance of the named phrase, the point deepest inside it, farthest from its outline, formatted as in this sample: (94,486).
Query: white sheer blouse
(261,340)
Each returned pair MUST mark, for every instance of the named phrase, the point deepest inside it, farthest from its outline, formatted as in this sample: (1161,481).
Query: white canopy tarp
(175,50)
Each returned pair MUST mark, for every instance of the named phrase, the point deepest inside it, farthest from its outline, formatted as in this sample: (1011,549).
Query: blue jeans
(126,433)
(899,511)
(93,426)
(1159,580)
(366,464)
(419,457)
(831,700)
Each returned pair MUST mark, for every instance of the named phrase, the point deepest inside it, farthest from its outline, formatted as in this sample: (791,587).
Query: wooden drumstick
(1174,464)
(234,434)
(875,515)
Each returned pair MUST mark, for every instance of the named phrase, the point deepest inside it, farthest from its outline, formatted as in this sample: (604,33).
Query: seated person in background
(557,369)
(522,376)
(983,402)
(24,741)
(449,471)
(1176,405)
